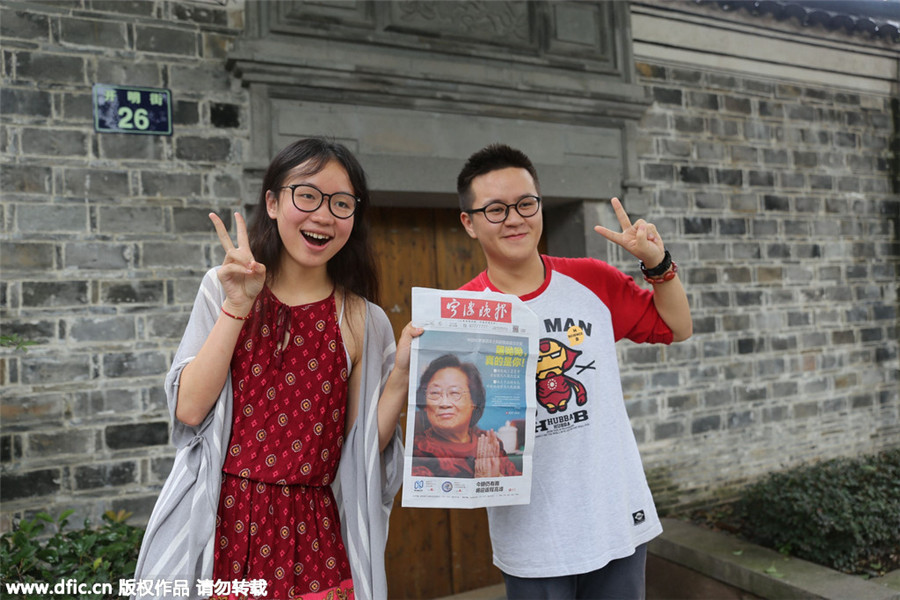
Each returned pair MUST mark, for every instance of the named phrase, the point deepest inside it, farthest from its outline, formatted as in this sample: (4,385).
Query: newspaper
(470,419)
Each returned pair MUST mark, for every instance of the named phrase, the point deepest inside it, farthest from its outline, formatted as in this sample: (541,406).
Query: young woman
(283,387)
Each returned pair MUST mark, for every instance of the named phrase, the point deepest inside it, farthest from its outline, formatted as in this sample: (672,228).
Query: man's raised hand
(640,239)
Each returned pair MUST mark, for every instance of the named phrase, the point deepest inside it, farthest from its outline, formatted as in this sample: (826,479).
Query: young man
(584,534)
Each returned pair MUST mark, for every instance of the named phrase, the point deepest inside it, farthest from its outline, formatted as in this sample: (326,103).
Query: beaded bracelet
(667,276)
(228,314)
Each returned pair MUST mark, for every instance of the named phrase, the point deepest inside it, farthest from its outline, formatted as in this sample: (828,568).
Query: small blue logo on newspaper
(419,485)
(447,486)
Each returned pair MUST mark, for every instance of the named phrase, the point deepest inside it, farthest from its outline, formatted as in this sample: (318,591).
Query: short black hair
(491,158)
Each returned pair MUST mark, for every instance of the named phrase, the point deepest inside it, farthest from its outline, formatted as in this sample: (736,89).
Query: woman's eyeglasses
(308,198)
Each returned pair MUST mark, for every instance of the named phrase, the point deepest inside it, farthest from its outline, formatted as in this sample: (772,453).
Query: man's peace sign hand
(240,275)
(640,239)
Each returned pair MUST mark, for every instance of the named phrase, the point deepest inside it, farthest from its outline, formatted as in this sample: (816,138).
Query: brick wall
(105,237)
(775,200)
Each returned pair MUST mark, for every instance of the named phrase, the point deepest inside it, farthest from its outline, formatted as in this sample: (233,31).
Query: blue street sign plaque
(129,109)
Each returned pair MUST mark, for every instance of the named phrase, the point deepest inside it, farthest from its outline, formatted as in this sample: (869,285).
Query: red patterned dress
(278,519)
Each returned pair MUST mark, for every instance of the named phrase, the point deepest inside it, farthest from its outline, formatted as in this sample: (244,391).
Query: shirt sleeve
(634,315)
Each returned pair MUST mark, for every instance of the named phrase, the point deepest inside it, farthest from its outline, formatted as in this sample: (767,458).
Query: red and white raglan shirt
(590,502)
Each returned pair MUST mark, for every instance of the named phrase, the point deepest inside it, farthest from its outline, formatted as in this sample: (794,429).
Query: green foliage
(843,514)
(102,555)
(15,341)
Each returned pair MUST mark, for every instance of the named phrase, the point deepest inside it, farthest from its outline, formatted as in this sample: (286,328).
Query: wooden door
(430,552)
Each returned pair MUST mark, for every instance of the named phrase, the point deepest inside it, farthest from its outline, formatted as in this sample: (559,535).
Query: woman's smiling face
(449,405)
(310,239)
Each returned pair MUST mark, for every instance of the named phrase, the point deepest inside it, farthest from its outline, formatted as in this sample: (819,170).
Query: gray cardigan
(179,541)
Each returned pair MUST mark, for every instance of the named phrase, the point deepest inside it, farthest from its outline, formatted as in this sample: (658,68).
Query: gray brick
(200,149)
(25,179)
(50,68)
(137,435)
(800,112)
(694,174)
(740,420)
(171,185)
(733,177)
(105,329)
(665,431)
(63,441)
(28,412)
(125,7)
(771,109)
(28,102)
(132,292)
(40,482)
(97,256)
(134,364)
(203,15)
(26,256)
(50,218)
(54,293)
(689,124)
(774,414)
(659,172)
(23,25)
(704,100)
(55,142)
(40,370)
(167,327)
(805,159)
(737,105)
(75,106)
(205,81)
(131,147)
(744,203)
(744,154)
(790,179)
(105,475)
(667,95)
(165,40)
(96,405)
(150,74)
(761,178)
(805,410)
(95,183)
(172,254)
(93,33)
(132,220)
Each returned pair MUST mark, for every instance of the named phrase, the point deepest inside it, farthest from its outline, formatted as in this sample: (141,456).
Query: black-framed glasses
(308,198)
(496,212)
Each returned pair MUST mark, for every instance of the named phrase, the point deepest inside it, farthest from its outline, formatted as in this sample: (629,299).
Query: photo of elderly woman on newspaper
(450,401)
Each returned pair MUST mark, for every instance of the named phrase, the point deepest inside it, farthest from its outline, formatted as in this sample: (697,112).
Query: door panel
(430,552)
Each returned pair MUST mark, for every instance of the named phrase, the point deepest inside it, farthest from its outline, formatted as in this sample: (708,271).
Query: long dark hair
(451,361)
(353,267)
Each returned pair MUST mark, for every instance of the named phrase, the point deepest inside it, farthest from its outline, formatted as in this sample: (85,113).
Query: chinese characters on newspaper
(470,419)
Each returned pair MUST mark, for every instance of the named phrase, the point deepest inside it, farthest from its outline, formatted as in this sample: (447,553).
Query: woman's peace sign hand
(641,238)
(240,275)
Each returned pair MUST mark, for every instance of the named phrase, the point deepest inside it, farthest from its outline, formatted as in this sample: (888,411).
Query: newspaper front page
(470,419)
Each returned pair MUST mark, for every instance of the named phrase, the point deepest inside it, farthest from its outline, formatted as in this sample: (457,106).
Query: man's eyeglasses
(308,198)
(496,212)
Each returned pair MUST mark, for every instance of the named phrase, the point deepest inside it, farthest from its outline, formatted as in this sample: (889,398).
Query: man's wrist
(660,268)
